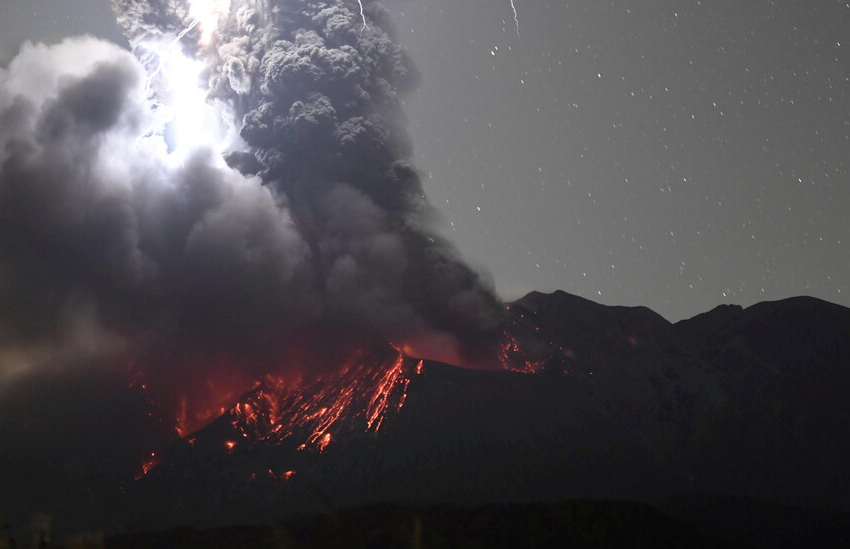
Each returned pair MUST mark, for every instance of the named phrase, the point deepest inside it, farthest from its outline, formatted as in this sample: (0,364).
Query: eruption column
(305,118)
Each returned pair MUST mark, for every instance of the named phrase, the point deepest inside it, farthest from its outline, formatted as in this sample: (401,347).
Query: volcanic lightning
(184,117)
(270,206)
(208,13)
(362,16)
(516,18)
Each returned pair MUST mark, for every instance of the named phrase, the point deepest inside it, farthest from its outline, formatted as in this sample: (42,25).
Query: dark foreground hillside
(691,521)
(565,524)
(700,522)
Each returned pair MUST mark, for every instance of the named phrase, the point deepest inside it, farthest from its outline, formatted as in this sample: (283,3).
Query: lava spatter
(359,395)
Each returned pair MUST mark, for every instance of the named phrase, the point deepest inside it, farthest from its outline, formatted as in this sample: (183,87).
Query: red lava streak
(513,356)
(286,475)
(305,408)
(151,462)
(359,395)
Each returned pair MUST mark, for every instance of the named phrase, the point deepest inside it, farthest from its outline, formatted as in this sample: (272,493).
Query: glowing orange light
(148,465)
(324,441)
(514,358)
(286,475)
(365,389)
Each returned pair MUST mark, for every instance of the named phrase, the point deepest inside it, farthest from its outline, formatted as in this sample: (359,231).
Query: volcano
(584,400)
(226,298)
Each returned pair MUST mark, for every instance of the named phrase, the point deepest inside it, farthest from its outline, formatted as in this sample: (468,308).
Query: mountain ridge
(627,405)
(604,402)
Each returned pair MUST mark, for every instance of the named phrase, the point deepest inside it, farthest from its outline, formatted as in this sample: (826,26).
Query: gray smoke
(317,100)
(318,220)
(101,241)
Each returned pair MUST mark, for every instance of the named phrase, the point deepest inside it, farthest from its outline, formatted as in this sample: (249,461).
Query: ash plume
(311,220)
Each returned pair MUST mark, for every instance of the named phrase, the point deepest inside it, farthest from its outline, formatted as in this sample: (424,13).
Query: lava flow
(320,394)
(309,413)
(525,348)
(359,395)
(521,357)
(151,462)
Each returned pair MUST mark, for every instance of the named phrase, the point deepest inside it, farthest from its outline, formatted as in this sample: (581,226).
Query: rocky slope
(619,404)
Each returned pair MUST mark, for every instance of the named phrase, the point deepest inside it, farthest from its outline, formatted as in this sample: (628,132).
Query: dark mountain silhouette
(575,524)
(750,403)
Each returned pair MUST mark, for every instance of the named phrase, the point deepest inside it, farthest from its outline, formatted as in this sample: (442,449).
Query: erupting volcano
(309,413)
(359,394)
(225,297)
(301,98)
(309,408)
(239,238)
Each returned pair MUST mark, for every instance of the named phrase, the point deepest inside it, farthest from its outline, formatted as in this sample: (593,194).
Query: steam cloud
(316,219)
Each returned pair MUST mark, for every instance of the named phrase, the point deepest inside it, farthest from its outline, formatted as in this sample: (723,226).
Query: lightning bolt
(516,18)
(171,46)
(150,78)
(363,17)
(184,32)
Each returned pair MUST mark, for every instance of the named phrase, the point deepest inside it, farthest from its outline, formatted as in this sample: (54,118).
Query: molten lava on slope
(307,409)
(308,413)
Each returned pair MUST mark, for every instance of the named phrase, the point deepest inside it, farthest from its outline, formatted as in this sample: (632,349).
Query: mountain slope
(623,404)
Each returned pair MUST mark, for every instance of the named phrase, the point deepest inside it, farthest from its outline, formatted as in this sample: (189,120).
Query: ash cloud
(318,218)
(317,100)
(92,220)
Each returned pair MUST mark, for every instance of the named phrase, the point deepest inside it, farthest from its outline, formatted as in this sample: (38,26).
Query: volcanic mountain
(587,401)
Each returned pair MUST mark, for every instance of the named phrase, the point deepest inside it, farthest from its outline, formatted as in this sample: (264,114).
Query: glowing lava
(151,462)
(306,409)
(359,395)
(286,475)
(513,356)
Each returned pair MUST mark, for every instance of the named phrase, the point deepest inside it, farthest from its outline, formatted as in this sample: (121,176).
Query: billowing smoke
(240,182)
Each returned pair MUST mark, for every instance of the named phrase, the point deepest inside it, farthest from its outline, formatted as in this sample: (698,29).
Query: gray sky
(678,155)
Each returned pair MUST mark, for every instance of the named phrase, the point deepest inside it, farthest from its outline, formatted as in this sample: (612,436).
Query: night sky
(676,156)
